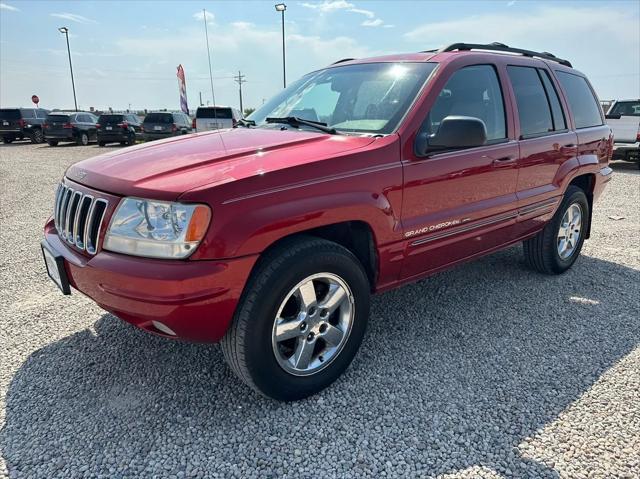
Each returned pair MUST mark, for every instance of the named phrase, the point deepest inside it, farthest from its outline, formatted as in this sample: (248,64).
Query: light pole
(65,30)
(281,7)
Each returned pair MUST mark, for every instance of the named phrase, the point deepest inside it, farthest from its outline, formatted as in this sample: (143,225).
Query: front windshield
(365,98)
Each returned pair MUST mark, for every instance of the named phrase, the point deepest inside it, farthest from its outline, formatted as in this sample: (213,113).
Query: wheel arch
(586,182)
(357,236)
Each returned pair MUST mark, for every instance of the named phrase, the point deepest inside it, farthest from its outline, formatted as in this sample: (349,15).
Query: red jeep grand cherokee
(355,179)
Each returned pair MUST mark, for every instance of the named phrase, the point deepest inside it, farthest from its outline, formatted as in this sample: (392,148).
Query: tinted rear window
(110,119)
(64,118)
(626,108)
(10,114)
(583,104)
(224,113)
(166,118)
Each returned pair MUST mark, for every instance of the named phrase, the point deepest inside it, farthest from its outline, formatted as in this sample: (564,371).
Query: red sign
(35,99)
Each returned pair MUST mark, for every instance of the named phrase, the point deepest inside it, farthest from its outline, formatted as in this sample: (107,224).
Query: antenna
(213,95)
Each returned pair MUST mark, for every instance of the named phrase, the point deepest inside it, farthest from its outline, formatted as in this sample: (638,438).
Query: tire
(250,346)
(101,143)
(52,142)
(83,139)
(542,252)
(7,140)
(132,140)
(123,143)
(37,136)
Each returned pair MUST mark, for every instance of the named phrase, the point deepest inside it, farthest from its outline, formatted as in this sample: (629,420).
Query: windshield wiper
(246,123)
(297,121)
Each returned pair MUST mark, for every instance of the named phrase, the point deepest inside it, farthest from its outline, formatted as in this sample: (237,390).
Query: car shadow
(455,371)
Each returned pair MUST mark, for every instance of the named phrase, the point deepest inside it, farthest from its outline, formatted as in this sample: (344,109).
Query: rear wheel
(37,136)
(83,139)
(557,246)
(52,142)
(101,143)
(6,140)
(132,140)
(300,321)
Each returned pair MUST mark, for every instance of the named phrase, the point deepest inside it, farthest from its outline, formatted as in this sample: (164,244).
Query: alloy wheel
(313,324)
(569,231)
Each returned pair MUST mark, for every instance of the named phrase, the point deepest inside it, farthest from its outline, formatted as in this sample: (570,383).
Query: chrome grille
(78,217)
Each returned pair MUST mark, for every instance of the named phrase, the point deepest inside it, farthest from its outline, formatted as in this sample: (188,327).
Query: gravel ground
(527,376)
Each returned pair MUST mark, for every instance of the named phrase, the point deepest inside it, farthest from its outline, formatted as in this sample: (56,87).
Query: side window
(559,122)
(27,113)
(533,107)
(471,91)
(583,103)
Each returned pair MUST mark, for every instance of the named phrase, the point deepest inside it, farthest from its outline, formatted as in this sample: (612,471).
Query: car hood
(164,169)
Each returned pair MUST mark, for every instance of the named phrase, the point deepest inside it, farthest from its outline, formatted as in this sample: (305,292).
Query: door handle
(504,161)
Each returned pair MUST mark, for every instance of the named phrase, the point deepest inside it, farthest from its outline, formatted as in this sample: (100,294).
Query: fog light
(163,327)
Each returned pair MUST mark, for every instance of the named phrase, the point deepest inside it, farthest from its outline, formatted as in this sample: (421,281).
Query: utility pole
(240,80)
(201,104)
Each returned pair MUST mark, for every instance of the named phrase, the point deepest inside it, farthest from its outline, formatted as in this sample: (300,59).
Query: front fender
(255,227)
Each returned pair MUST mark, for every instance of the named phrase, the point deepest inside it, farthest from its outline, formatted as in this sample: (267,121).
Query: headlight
(156,229)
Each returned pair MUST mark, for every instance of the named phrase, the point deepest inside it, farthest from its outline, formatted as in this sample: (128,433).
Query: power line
(239,79)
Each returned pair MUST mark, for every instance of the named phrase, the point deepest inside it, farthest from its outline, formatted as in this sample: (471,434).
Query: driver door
(461,203)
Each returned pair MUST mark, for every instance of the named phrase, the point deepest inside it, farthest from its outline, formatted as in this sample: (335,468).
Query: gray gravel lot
(488,370)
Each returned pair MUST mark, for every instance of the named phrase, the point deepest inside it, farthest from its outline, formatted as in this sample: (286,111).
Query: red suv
(358,178)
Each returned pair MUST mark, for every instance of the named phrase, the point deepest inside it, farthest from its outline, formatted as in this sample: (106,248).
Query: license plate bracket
(54,263)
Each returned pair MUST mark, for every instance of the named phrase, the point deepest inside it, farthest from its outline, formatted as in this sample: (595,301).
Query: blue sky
(127,52)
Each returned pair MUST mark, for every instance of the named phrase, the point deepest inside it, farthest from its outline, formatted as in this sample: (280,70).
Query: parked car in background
(216,117)
(123,128)
(21,123)
(78,127)
(159,125)
(624,119)
(413,163)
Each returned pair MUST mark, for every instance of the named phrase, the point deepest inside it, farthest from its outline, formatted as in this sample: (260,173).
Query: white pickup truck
(624,119)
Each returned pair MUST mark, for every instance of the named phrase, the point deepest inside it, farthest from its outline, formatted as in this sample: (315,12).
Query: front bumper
(622,150)
(195,300)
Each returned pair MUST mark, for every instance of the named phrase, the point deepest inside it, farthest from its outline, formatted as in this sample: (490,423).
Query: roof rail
(343,60)
(501,47)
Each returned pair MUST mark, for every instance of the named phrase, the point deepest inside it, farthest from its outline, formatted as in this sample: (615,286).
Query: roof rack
(343,60)
(501,47)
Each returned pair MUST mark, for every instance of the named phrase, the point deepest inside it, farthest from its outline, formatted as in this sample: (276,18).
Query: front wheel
(557,246)
(52,142)
(300,321)
(6,140)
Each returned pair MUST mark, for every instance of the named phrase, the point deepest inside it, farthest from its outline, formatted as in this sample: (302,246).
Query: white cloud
(611,32)
(372,23)
(73,17)
(329,5)
(511,3)
(4,6)
(200,16)
(242,25)
(366,13)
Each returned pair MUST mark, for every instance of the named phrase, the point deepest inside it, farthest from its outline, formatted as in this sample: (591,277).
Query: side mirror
(459,132)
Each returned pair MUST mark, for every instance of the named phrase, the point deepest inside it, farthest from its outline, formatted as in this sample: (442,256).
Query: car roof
(455,50)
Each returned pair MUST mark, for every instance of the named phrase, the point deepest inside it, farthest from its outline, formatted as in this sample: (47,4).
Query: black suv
(78,127)
(165,124)
(21,123)
(123,128)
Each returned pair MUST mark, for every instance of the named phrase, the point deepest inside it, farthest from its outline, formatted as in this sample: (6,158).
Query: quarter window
(582,101)
(534,109)
(471,91)
(552,95)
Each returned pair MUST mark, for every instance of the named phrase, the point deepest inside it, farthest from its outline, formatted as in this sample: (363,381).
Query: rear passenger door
(548,148)
(460,203)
